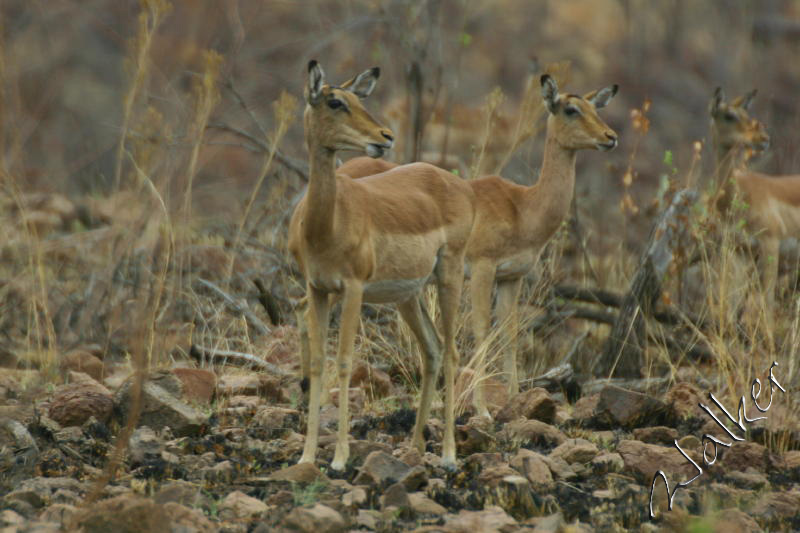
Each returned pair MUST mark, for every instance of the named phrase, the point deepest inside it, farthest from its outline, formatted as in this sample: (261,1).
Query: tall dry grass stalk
(493,102)
(285,108)
(152,15)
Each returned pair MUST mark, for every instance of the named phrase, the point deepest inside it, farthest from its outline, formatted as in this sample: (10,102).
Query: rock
(547,524)
(683,401)
(238,505)
(735,520)
(221,472)
(355,498)
(317,519)
(59,513)
(182,492)
(395,495)
(276,419)
(360,449)
(621,407)
(576,451)
(495,391)
(533,466)
(750,479)
(124,514)
(513,493)
(144,446)
(379,468)
(374,382)
(774,507)
(262,385)
(656,435)
(533,404)
(198,384)
(415,478)
(644,460)
(475,436)
(742,455)
(533,433)
(492,519)
(74,403)
(608,462)
(69,435)
(584,409)
(421,504)
(9,518)
(494,475)
(299,473)
(186,520)
(82,361)
(161,406)
(28,496)
(368,519)
(481,461)
(355,397)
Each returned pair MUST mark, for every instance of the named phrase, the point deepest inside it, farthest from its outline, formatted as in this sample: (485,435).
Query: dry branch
(226,357)
(237,308)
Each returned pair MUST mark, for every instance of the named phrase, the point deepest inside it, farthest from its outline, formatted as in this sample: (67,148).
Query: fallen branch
(226,357)
(237,308)
(267,299)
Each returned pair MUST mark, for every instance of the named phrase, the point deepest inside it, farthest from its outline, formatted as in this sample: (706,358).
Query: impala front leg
(351,312)
(481,281)
(301,314)
(317,316)
(508,317)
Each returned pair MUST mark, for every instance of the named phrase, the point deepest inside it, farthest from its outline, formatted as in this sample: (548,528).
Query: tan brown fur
(514,222)
(773,202)
(378,239)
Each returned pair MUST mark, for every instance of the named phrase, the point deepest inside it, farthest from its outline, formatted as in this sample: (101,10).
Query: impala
(514,222)
(380,239)
(774,201)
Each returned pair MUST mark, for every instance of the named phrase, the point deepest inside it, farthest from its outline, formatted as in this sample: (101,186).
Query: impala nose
(612,142)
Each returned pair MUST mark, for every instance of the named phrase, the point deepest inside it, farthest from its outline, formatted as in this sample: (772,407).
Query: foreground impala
(380,239)
(773,211)
(514,222)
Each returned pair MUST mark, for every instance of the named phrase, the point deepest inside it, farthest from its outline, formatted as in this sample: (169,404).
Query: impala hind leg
(416,316)
(508,318)
(317,316)
(450,280)
(480,284)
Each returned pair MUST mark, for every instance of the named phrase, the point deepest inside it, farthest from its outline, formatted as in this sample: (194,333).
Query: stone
(773,507)
(182,492)
(683,401)
(355,497)
(415,478)
(576,451)
(82,361)
(198,384)
(608,462)
(262,385)
(317,519)
(742,455)
(238,505)
(533,466)
(584,409)
(144,446)
(475,436)
(374,382)
(221,472)
(533,404)
(421,504)
(527,433)
(395,495)
(74,403)
(60,513)
(355,397)
(751,479)
(547,524)
(9,518)
(360,449)
(276,419)
(299,473)
(656,435)
(494,475)
(644,460)
(162,406)
(621,407)
(186,520)
(379,468)
(733,519)
(124,514)
(492,519)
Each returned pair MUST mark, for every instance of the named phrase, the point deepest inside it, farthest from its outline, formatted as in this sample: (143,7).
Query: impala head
(336,119)
(574,119)
(732,125)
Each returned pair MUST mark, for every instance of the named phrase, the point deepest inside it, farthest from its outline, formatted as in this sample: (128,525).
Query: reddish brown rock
(656,435)
(124,514)
(742,455)
(475,436)
(533,433)
(251,385)
(317,519)
(299,473)
(374,382)
(83,361)
(534,404)
(575,451)
(533,466)
(74,403)
(584,409)
(626,408)
(644,460)
(198,384)
(735,520)
(492,519)
(683,400)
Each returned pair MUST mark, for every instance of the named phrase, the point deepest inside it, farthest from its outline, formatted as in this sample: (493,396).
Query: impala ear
(716,101)
(316,80)
(747,99)
(601,98)
(363,84)
(549,92)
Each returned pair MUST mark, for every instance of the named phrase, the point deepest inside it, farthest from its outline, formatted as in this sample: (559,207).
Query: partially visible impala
(773,202)
(514,222)
(380,239)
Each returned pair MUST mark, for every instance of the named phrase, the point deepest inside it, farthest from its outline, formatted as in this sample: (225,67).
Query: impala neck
(552,194)
(321,195)
(728,159)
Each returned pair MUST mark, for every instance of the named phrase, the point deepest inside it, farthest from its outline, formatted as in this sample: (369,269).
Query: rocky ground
(217,451)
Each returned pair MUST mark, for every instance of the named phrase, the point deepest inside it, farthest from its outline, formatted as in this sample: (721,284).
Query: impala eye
(730,117)
(335,104)
(571,111)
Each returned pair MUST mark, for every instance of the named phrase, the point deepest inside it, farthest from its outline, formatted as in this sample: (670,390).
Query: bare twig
(223,357)
(237,308)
